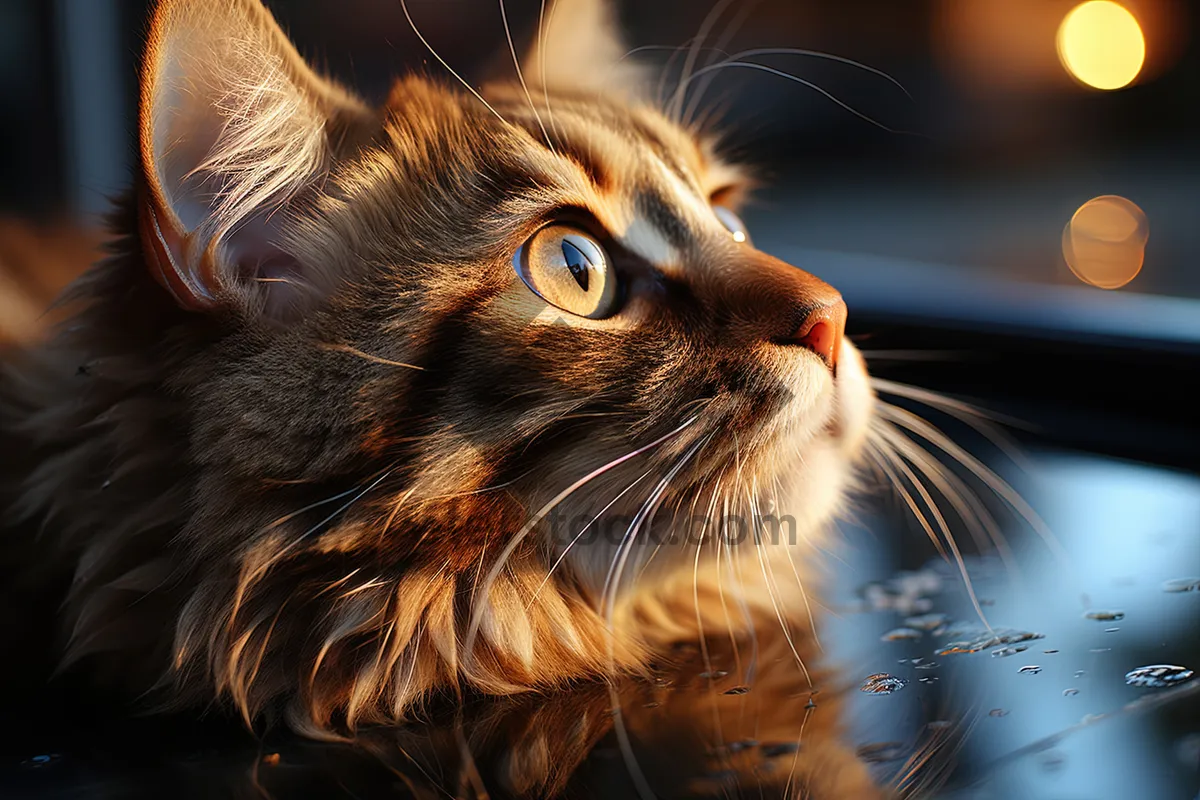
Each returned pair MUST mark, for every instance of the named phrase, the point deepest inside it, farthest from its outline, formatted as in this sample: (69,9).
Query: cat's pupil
(576,262)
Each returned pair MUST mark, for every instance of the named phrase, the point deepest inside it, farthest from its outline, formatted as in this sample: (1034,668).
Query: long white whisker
(611,586)
(772,588)
(973,416)
(780,73)
(793,51)
(916,482)
(579,535)
(885,458)
(612,581)
(521,77)
(442,61)
(477,613)
(910,421)
(544,23)
(970,509)
(689,63)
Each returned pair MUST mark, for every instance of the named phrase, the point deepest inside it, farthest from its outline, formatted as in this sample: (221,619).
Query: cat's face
(475,304)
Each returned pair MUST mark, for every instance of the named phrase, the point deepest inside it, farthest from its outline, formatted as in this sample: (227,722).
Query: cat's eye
(567,268)
(733,223)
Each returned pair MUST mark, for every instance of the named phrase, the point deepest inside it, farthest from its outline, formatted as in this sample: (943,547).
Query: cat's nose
(822,329)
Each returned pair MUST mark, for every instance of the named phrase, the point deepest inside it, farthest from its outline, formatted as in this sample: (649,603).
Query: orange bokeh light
(1104,244)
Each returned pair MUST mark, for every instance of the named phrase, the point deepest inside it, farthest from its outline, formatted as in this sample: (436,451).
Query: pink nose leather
(822,330)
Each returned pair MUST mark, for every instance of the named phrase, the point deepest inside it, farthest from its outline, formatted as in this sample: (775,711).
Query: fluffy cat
(325,432)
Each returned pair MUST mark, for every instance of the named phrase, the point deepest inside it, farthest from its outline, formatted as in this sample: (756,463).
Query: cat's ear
(578,47)
(235,130)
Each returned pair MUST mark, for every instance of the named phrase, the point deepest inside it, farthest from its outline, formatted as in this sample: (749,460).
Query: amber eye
(733,223)
(568,269)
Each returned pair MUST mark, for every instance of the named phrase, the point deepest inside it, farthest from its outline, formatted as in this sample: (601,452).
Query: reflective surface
(721,721)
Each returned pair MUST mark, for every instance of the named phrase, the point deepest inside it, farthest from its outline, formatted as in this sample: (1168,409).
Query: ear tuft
(235,130)
(579,48)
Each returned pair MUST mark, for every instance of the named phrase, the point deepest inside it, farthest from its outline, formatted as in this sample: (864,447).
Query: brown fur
(295,492)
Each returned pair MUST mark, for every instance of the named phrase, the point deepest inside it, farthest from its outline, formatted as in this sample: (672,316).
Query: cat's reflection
(722,720)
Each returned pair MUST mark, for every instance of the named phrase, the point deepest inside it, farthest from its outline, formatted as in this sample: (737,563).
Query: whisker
(976,418)
(611,586)
(521,78)
(825,93)
(736,570)
(914,355)
(248,580)
(442,61)
(544,23)
(969,508)
(793,51)
(579,535)
(772,589)
(689,63)
(515,541)
(938,517)
(612,580)
(910,421)
(354,351)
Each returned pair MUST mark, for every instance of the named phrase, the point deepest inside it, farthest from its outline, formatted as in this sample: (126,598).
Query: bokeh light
(1105,241)
(1101,44)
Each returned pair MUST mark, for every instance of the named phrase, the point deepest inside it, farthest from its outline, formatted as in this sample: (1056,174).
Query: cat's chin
(855,402)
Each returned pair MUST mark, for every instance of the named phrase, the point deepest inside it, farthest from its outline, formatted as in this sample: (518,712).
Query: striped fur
(327,512)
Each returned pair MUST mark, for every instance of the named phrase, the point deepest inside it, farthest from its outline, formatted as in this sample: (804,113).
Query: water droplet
(881,752)
(927,665)
(1100,650)
(900,635)
(1031,669)
(737,690)
(1180,585)
(1111,630)
(1158,676)
(651,704)
(998,712)
(1049,652)
(1105,616)
(927,679)
(927,622)
(714,675)
(1079,673)
(882,683)
(974,640)
(1070,692)
(775,749)
(939,724)
(811,704)
(1004,652)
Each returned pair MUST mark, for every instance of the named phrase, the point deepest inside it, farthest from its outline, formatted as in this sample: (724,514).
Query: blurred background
(1017,222)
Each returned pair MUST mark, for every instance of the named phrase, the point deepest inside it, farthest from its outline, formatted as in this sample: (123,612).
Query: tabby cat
(370,406)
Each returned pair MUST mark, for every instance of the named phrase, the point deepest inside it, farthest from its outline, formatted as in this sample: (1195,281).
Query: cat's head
(394,336)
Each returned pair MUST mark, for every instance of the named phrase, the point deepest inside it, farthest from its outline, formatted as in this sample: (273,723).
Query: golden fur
(294,448)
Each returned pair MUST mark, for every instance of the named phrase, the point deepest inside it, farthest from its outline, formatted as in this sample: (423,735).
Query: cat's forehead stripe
(646,176)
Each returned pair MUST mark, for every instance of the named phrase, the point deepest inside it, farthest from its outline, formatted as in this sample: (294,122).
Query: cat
(481,390)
